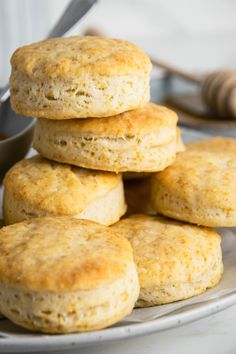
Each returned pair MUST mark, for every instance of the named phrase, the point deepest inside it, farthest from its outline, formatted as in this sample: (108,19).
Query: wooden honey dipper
(218,89)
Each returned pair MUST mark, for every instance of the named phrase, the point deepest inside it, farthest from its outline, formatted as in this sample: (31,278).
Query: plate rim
(75,340)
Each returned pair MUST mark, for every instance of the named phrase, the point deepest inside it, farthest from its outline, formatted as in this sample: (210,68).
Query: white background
(198,35)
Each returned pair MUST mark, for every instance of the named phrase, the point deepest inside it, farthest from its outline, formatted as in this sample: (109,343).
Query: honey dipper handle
(177,72)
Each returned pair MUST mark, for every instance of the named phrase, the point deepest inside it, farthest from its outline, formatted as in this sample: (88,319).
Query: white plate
(33,342)
(14,339)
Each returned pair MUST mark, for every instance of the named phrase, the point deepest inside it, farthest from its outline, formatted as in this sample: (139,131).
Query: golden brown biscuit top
(58,188)
(166,250)
(64,58)
(148,119)
(61,254)
(207,169)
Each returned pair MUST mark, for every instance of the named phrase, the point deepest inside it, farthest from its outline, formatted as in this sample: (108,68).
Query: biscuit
(140,175)
(79,77)
(61,275)
(40,187)
(141,140)
(200,185)
(174,260)
(137,196)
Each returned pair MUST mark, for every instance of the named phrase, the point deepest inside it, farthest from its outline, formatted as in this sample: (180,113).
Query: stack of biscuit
(91,99)
(60,269)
